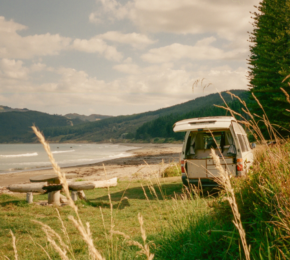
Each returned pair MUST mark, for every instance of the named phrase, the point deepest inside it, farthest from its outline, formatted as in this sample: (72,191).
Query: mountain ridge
(15,125)
(91,118)
(120,126)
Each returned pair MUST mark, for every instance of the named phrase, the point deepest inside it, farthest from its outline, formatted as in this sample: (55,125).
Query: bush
(172,170)
(263,199)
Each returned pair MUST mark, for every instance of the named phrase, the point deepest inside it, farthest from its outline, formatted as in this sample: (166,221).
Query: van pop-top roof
(206,123)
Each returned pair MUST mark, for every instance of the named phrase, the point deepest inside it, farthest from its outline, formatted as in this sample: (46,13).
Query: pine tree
(270,59)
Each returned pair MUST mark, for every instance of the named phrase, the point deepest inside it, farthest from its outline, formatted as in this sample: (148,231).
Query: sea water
(23,157)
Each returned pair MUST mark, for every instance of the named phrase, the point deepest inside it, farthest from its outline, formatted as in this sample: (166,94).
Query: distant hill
(15,126)
(161,129)
(90,118)
(9,109)
(127,126)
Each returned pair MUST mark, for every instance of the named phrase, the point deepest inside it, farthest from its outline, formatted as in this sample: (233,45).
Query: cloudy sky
(120,57)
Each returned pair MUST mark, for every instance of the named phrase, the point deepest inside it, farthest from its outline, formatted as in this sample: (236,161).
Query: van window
(207,140)
(242,142)
(188,143)
(238,128)
(246,141)
(210,140)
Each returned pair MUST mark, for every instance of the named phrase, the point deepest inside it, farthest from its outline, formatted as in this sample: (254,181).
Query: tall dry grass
(55,239)
(264,195)
(84,231)
(224,181)
(64,249)
(144,249)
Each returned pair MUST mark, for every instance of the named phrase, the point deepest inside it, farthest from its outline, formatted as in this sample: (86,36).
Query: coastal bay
(147,160)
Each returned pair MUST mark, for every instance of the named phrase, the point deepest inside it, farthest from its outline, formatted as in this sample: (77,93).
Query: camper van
(223,134)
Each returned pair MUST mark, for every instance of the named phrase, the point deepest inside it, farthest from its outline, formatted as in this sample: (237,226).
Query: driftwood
(63,199)
(74,195)
(82,185)
(54,198)
(28,187)
(107,183)
(42,187)
(29,197)
(89,185)
(82,195)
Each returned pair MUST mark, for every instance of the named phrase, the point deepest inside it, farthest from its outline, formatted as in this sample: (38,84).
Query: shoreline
(145,160)
(42,168)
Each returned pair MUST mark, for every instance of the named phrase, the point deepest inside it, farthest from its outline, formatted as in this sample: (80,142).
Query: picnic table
(51,184)
(53,187)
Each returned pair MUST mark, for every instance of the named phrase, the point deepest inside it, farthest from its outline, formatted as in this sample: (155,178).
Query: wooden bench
(54,197)
(28,188)
(77,187)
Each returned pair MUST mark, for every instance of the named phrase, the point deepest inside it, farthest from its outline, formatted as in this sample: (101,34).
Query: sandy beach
(146,160)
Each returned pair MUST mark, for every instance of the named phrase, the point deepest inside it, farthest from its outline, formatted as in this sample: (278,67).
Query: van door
(244,150)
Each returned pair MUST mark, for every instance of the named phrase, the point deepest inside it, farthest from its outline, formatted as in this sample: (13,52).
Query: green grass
(263,199)
(17,215)
(179,224)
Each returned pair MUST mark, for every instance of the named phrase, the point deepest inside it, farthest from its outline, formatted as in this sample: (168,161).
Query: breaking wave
(18,155)
(68,151)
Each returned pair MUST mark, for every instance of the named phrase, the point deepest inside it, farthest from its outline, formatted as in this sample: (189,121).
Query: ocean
(23,157)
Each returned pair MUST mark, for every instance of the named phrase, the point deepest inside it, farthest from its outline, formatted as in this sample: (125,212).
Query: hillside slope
(15,126)
(120,126)
(162,127)
(90,118)
(10,109)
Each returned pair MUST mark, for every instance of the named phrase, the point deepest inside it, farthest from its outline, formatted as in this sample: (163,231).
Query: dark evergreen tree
(270,59)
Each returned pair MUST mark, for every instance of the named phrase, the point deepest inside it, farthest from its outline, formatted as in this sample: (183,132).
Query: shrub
(172,170)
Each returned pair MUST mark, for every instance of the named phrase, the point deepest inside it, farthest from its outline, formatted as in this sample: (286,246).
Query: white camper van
(225,135)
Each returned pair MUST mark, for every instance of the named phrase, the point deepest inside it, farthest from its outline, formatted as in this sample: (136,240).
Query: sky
(120,57)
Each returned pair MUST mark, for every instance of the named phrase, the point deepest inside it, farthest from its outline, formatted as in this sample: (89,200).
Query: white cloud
(127,68)
(14,46)
(137,40)
(73,81)
(14,77)
(36,67)
(10,26)
(202,50)
(223,78)
(96,45)
(93,18)
(147,88)
(12,69)
(228,19)
(115,10)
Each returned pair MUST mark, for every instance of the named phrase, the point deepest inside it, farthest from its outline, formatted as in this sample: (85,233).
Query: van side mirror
(253,145)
